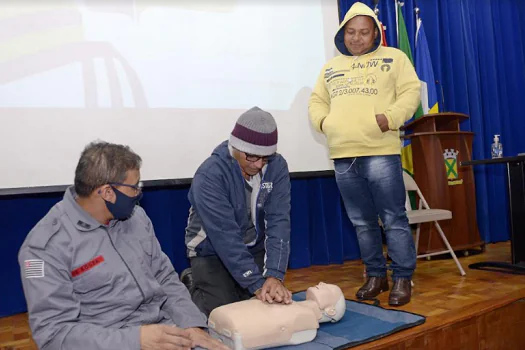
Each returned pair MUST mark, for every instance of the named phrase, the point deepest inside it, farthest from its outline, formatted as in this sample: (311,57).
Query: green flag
(404,45)
(402,36)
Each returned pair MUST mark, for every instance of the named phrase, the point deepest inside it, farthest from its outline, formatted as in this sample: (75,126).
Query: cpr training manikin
(253,324)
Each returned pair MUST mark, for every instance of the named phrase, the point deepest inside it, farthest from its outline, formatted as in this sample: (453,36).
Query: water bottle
(497,148)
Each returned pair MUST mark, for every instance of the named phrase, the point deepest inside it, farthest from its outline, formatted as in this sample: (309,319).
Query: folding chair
(425,214)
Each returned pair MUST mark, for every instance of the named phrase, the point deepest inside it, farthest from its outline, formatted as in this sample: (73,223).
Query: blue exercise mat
(362,323)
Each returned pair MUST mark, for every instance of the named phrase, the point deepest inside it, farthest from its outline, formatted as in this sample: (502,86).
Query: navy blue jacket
(219,221)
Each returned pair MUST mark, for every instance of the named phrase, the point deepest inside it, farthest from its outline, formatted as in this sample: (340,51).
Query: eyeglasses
(253,158)
(137,187)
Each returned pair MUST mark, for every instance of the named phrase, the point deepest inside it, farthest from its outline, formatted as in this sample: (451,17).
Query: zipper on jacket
(257,202)
(243,180)
(239,172)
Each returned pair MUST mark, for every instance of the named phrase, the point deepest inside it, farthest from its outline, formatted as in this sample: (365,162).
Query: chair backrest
(410,184)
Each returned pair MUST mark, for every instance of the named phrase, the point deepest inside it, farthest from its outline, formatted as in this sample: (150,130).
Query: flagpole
(418,23)
(397,24)
(376,9)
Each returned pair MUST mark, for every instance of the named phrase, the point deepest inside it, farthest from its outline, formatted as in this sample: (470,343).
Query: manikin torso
(253,324)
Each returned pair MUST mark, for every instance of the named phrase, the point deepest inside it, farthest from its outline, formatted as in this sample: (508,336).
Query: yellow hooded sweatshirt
(351,90)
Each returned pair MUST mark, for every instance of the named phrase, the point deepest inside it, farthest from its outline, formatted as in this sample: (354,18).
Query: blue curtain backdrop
(477,49)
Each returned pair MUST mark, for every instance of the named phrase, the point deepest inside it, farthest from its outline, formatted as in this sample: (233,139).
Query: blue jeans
(373,187)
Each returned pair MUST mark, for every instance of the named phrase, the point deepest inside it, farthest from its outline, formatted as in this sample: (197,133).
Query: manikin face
(330,300)
(360,35)
(321,294)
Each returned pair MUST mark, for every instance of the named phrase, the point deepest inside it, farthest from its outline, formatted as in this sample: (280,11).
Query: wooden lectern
(438,148)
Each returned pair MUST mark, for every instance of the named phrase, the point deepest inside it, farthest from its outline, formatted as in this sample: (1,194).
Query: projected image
(167,77)
(230,54)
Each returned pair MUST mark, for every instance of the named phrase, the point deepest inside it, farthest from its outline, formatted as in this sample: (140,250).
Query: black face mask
(123,207)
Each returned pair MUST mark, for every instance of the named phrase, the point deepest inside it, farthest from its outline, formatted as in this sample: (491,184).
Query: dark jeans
(372,187)
(213,284)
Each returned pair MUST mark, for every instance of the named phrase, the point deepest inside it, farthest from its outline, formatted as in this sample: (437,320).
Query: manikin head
(330,299)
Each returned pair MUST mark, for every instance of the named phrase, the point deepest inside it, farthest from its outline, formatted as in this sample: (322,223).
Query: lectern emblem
(451,166)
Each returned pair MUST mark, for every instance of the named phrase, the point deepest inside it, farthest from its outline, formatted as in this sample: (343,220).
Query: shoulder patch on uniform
(34,268)
(43,232)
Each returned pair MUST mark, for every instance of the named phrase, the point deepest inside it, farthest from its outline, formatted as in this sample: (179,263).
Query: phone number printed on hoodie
(354,91)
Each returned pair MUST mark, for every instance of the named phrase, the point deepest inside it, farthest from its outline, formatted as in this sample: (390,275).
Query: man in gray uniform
(94,274)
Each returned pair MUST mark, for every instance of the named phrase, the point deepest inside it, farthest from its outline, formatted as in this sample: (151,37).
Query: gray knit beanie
(255,133)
